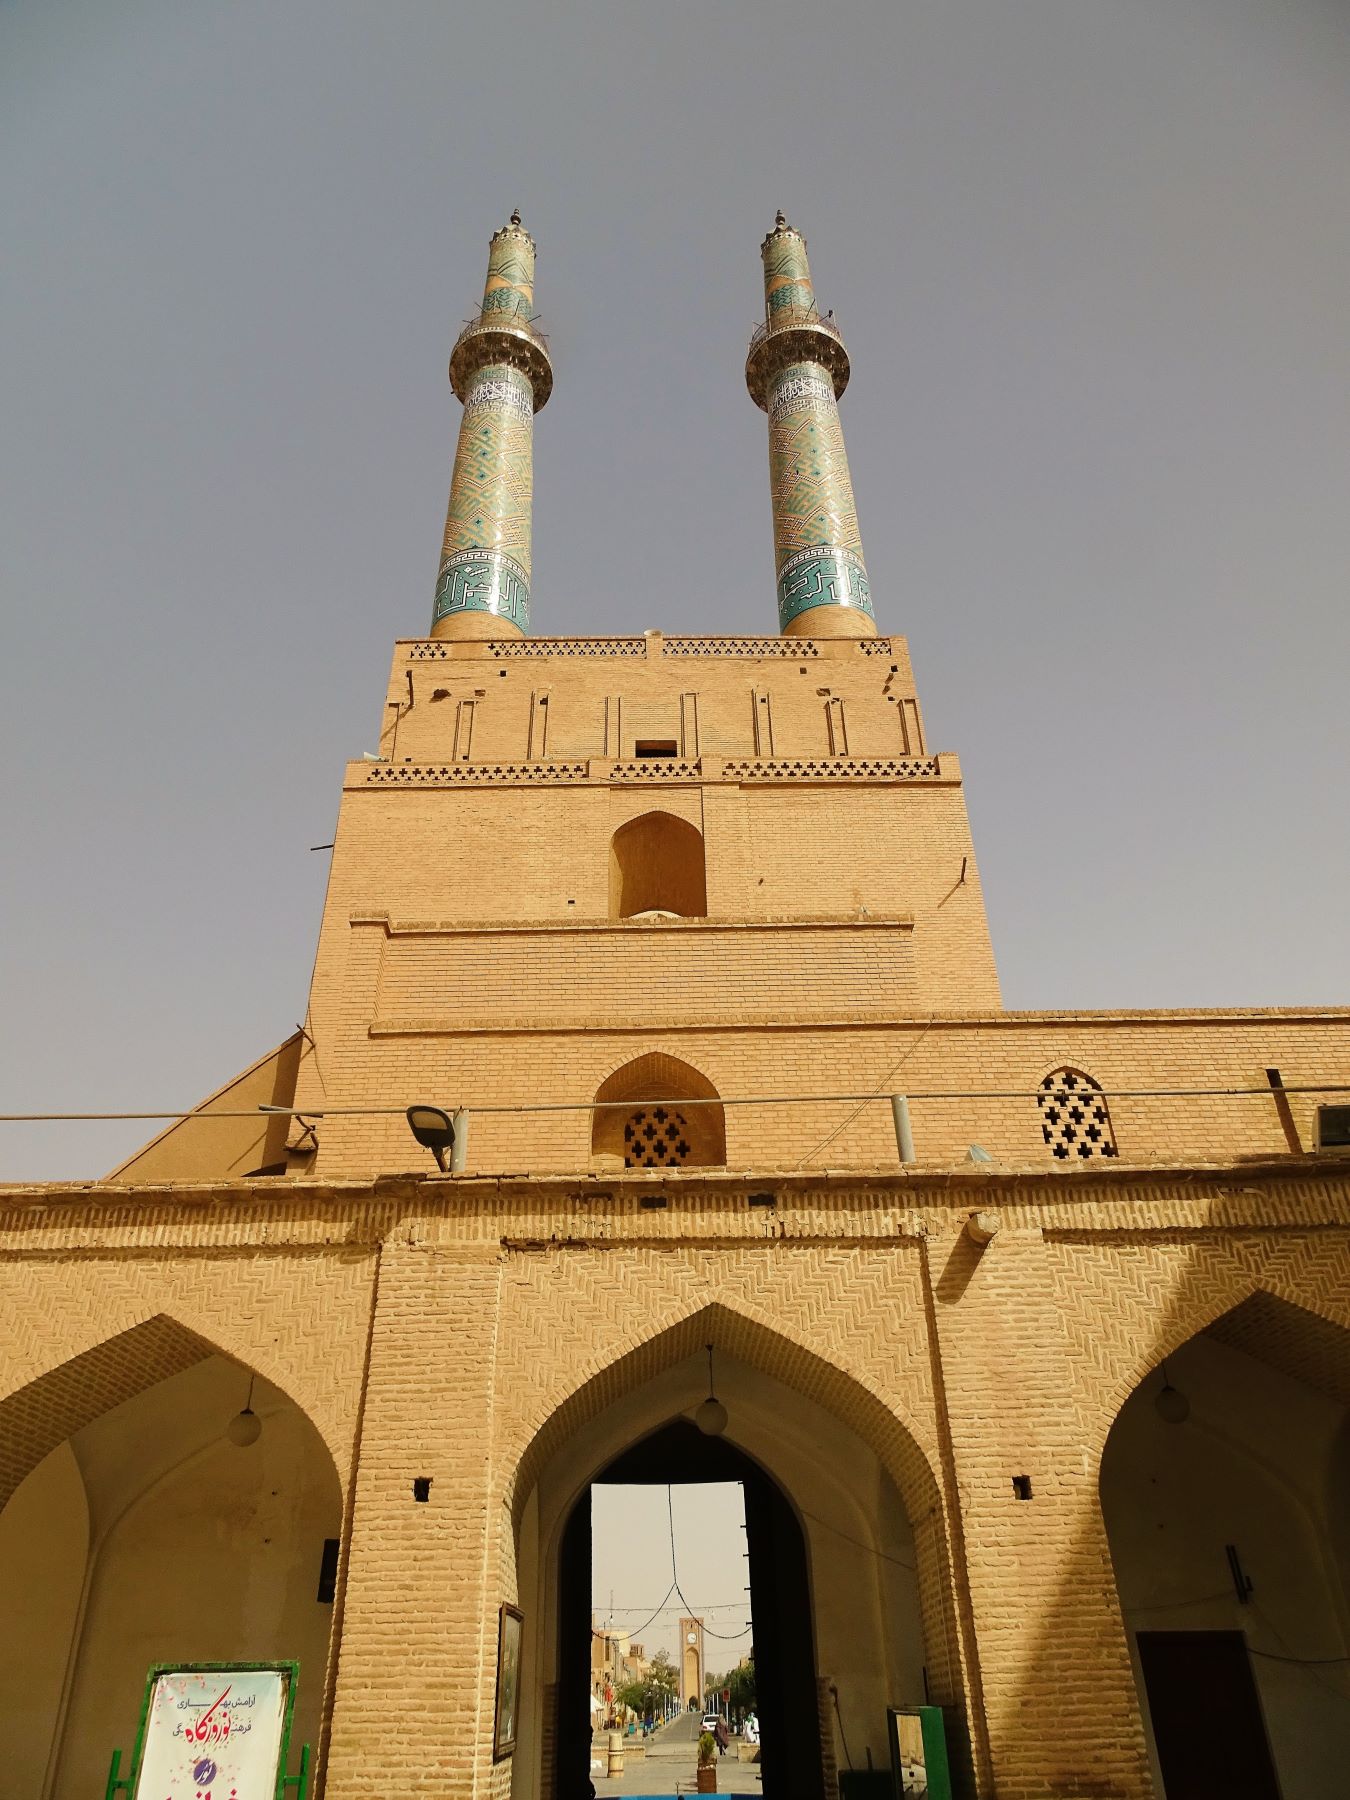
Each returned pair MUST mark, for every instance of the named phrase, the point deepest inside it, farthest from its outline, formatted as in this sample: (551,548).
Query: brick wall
(460,1330)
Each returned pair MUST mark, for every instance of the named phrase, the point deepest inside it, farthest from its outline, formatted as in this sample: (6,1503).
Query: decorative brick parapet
(652,646)
(649,771)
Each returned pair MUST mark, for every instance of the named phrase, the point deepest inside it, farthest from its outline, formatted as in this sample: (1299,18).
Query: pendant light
(1170,1403)
(245,1427)
(711,1417)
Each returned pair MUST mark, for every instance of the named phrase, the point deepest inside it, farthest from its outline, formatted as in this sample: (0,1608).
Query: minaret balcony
(515,342)
(794,334)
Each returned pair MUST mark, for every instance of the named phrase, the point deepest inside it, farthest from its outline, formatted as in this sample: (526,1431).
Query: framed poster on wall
(221,1728)
(510,1625)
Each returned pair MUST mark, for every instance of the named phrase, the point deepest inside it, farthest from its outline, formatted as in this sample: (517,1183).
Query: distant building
(692,1671)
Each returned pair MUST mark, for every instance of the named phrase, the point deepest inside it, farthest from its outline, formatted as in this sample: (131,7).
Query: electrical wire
(882,1086)
(1305,1662)
(730,1637)
(834,1691)
(884,1555)
(686,1100)
(637,1630)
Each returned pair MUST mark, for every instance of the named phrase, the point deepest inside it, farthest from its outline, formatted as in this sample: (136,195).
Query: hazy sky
(630,1561)
(1093,264)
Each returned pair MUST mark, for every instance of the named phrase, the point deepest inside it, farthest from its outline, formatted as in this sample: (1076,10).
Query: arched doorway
(135,1530)
(780,1603)
(1225,1488)
(863,1504)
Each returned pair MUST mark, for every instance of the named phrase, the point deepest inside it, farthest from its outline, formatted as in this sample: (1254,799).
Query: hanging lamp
(245,1427)
(1170,1403)
(711,1417)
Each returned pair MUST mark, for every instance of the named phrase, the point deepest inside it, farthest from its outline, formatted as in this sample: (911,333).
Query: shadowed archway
(887,1624)
(1225,1490)
(136,1528)
(780,1602)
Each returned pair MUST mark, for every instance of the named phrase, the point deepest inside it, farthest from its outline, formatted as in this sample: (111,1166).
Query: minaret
(796,370)
(500,371)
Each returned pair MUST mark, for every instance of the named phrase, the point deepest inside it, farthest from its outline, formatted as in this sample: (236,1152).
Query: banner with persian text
(214,1735)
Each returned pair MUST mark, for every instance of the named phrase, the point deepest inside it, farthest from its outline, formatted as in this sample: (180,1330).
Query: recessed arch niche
(651,1129)
(657,865)
(1229,1464)
(133,1531)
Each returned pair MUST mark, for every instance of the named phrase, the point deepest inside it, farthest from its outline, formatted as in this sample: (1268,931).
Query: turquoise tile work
(500,371)
(796,370)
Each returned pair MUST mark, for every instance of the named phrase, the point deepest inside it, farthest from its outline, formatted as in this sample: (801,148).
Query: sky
(1092,262)
(631,1544)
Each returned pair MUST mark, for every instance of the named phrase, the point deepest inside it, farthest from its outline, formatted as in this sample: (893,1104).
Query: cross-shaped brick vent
(1075,1121)
(655,1138)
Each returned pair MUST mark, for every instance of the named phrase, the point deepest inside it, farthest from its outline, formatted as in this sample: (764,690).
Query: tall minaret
(796,370)
(501,373)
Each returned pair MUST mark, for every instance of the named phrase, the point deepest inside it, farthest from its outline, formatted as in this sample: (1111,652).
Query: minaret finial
(501,373)
(796,370)
(780,219)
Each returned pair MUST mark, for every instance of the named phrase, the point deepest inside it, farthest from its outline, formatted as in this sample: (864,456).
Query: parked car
(709,1722)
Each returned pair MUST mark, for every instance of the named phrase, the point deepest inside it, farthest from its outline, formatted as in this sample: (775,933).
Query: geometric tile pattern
(817,545)
(1075,1121)
(485,558)
(787,274)
(509,290)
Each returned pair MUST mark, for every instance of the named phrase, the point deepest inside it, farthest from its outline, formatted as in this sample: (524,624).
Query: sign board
(214,1731)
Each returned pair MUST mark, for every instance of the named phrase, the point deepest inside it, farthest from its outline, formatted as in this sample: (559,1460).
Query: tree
(741,1682)
(651,1694)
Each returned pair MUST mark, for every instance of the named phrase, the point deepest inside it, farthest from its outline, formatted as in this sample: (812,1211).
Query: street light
(434,1131)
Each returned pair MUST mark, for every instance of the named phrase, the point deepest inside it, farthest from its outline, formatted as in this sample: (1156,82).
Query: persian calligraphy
(213,1735)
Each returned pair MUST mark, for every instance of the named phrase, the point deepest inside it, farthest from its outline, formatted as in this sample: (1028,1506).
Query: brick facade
(478,1330)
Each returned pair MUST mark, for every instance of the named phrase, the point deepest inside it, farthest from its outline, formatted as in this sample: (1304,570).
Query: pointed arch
(751,1340)
(1291,1333)
(1240,1452)
(886,1433)
(657,864)
(53,1406)
(116,1466)
(657,1136)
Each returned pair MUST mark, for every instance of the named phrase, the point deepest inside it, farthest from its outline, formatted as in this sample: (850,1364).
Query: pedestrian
(722,1735)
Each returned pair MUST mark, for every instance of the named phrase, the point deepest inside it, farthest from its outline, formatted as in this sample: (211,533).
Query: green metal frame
(934,1730)
(297,1784)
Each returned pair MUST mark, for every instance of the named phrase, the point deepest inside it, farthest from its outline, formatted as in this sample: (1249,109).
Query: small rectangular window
(654,747)
(328,1568)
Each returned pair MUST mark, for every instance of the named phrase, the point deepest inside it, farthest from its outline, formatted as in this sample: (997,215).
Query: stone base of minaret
(831,622)
(476,627)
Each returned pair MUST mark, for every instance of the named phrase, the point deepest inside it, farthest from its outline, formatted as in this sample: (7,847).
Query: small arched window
(656,865)
(1075,1119)
(655,1127)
